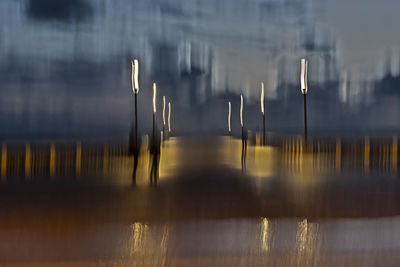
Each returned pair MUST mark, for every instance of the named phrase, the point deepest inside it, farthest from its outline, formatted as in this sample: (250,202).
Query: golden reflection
(154,97)
(170,152)
(3,162)
(28,161)
(265,235)
(366,154)
(135,76)
(394,154)
(262,161)
(137,238)
(52,160)
(306,237)
(303,75)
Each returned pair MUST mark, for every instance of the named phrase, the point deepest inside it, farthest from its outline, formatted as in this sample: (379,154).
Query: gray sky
(364,28)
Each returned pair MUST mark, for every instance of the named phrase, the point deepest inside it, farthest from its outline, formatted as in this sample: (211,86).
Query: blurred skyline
(65,68)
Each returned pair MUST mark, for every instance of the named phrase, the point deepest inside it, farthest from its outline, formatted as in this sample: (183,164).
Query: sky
(65,68)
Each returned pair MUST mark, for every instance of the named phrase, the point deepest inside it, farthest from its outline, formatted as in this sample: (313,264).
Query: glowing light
(265,235)
(262,98)
(306,237)
(138,237)
(135,76)
(303,75)
(241,110)
(229,116)
(163,111)
(154,97)
(169,117)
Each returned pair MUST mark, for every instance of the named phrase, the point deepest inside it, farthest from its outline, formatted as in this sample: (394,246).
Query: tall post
(163,117)
(135,89)
(304,89)
(305,117)
(241,113)
(136,123)
(263,128)
(169,118)
(154,110)
(262,111)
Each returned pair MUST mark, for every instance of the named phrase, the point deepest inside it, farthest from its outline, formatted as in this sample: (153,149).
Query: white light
(303,75)
(163,112)
(154,97)
(262,98)
(135,76)
(241,110)
(169,116)
(229,116)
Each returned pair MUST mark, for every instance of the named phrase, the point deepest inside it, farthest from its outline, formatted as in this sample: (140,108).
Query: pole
(305,119)
(136,123)
(154,127)
(264,128)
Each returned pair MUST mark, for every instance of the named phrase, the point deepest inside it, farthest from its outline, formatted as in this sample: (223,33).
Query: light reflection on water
(237,240)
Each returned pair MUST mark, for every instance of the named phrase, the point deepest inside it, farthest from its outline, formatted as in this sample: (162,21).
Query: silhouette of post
(304,88)
(262,111)
(163,117)
(241,113)
(169,118)
(135,89)
(244,136)
(154,108)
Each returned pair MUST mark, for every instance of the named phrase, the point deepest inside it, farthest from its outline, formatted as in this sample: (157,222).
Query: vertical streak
(52,160)
(28,161)
(229,116)
(135,76)
(105,159)
(338,154)
(366,154)
(154,97)
(78,160)
(241,110)
(169,116)
(163,113)
(3,162)
(262,98)
(394,153)
(303,75)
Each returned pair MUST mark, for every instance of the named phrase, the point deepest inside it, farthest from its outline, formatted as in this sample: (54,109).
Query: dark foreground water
(284,209)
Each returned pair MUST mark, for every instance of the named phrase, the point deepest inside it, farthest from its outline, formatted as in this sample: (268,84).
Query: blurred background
(79,187)
(65,66)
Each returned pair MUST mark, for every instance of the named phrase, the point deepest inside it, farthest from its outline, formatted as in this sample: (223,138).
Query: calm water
(65,68)
(255,242)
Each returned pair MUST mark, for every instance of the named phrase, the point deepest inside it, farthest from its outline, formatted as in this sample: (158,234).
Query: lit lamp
(169,117)
(241,113)
(163,114)
(154,108)
(304,88)
(135,89)
(229,118)
(262,110)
